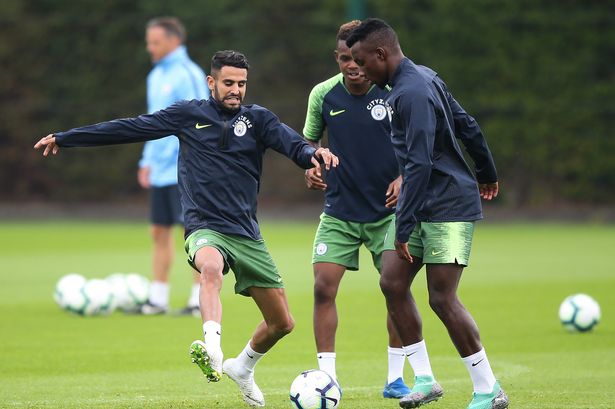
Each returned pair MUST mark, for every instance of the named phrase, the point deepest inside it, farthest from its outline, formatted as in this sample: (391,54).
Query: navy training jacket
(426,121)
(220,160)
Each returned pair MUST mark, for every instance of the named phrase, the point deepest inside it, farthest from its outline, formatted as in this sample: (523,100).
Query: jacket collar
(221,110)
(179,54)
(404,64)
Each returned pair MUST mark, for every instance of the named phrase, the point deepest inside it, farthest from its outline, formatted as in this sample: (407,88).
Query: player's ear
(210,82)
(381,53)
(335,54)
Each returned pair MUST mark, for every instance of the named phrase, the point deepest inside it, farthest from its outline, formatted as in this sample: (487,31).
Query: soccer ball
(119,288)
(68,293)
(84,297)
(130,290)
(138,288)
(314,389)
(579,312)
(99,296)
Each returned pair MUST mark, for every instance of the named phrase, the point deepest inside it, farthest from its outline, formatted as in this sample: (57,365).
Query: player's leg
(161,231)
(277,322)
(327,277)
(192,306)
(396,276)
(336,248)
(210,262)
(208,354)
(163,251)
(175,208)
(395,280)
(207,254)
(377,240)
(395,386)
(258,277)
(447,251)
(443,280)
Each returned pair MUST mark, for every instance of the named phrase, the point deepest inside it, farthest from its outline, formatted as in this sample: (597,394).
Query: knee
(324,292)
(210,271)
(285,327)
(391,288)
(160,235)
(441,303)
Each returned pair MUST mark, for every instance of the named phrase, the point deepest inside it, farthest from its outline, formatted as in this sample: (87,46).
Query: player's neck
(358,89)
(394,61)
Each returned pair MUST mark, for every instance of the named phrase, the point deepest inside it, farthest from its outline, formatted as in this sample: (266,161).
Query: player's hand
(402,251)
(488,191)
(314,180)
(393,193)
(325,155)
(49,142)
(143,177)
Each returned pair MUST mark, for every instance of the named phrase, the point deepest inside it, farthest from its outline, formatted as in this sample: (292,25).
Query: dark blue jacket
(220,160)
(426,122)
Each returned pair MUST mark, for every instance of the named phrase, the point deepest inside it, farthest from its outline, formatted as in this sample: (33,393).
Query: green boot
(425,390)
(497,399)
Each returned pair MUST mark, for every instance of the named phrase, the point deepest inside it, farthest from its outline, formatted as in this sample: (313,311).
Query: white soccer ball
(314,389)
(68,294)
(131,293)
(579,313)
(100,299)
(137,287)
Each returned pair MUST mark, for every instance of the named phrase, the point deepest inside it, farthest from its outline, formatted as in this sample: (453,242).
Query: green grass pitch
(518,276)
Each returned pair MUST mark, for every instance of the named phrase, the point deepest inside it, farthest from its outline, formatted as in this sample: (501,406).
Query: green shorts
(338,241)
(440,242)
(249,259)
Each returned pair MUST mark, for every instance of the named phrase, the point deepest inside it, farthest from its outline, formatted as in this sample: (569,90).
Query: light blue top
(175,77)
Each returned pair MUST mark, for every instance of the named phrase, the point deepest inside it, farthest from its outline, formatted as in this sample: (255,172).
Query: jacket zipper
(223,141)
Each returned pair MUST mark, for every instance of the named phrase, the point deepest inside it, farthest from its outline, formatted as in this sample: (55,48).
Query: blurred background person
(174,77)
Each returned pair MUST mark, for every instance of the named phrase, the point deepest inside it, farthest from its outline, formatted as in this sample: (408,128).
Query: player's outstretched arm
(49,143)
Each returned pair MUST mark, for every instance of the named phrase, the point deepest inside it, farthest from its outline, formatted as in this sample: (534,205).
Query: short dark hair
(373,27)
(346,29)
(171,25)
(228,58)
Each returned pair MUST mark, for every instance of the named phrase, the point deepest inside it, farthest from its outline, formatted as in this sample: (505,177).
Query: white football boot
(208,360)
(252,394)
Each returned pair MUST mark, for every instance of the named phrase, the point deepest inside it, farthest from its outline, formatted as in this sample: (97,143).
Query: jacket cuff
(404,236)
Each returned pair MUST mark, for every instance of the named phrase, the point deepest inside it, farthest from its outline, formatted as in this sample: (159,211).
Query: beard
(222,105)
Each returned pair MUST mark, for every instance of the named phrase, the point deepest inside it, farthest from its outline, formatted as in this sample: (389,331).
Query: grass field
(518,276)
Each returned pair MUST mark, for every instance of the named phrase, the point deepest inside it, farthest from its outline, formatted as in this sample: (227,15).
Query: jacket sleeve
(162,123)
(470,134)
(283,139)
(418,116)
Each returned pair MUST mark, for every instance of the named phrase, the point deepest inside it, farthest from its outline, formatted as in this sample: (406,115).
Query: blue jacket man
(175,77)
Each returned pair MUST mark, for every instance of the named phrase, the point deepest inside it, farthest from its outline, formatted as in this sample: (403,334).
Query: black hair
(346,29)
(228,58)
(171,25)
(376,28)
